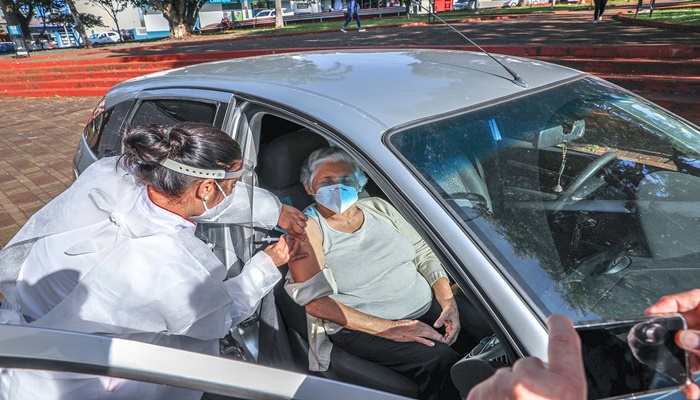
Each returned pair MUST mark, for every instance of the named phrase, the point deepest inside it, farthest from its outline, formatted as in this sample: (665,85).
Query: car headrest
(280,160)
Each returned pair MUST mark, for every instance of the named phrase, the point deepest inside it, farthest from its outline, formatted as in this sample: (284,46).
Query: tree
(180,14)
(26,10)
(279,15)
(78,23)
(113,8)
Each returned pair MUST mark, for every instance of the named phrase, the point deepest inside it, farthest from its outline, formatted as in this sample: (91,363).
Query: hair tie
(167,134)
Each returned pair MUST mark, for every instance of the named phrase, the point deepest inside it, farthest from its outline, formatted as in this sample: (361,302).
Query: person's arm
(398,331)
(449,317)
(563,378)
(688,304)
(259,276)
(247,289)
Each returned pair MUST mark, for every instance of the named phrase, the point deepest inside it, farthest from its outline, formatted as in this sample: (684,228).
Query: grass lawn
(684,16)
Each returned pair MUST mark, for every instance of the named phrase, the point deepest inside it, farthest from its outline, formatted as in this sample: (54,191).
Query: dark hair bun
(192,143)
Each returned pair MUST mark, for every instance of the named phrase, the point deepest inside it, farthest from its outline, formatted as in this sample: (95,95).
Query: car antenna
(516,78)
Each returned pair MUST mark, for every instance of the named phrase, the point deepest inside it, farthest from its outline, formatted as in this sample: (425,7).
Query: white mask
(212,214)
(336,198)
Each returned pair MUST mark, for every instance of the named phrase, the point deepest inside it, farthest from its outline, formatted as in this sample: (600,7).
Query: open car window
(583,195)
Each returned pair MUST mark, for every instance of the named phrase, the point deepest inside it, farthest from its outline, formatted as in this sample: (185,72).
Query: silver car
(541,189)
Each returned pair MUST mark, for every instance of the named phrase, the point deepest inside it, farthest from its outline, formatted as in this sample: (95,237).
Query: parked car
(472,5)
(301,8)
(510,3)
(542,190)
(265,14)
(7,47)
(104,37)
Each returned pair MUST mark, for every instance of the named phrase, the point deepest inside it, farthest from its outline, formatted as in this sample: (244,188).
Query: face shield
(229,227)
(226,226)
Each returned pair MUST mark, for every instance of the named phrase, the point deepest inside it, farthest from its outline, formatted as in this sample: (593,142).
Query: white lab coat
(128,269)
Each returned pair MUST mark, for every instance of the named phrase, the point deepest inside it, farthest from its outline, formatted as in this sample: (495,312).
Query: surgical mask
(212,214)
(336,198)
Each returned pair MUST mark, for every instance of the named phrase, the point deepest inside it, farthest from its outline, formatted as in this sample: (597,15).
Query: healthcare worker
(116,254)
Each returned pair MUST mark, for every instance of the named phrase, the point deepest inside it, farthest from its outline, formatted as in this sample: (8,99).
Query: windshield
(584,196)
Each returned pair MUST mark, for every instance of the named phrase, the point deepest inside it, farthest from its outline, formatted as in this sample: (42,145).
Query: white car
(265,14)
(104,37)
(541,189)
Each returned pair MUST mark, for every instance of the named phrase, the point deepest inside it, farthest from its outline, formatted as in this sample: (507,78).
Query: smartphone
(633,356)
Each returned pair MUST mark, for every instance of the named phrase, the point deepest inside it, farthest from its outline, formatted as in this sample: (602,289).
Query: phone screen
(633,356)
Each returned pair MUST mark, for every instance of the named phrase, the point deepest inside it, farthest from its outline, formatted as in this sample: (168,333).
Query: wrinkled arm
(449,317)
(347,317)
(302,270)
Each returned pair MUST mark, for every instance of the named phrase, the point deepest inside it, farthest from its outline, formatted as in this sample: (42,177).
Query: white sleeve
(258,277)
(266,209)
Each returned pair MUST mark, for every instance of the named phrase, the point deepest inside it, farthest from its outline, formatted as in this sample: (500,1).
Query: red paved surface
(37,140)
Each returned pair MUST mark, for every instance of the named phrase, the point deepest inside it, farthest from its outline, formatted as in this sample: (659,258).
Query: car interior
(592,190)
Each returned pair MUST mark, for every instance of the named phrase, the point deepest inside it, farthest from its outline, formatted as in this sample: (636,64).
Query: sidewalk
(38,135)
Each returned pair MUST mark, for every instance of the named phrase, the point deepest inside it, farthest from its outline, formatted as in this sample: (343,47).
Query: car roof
(392,87)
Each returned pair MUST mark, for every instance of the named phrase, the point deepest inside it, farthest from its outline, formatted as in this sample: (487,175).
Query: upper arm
(305,268)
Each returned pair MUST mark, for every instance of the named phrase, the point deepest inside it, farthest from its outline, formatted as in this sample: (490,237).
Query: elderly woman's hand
(412,331)
(450,319)
(285,250)
(293,221)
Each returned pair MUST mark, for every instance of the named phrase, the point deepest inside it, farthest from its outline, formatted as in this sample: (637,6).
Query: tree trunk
(279,18)
(78,24)
(175,13)
(178,29)
(22,19)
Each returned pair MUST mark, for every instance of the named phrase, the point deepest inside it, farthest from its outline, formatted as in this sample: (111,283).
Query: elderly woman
(370,282)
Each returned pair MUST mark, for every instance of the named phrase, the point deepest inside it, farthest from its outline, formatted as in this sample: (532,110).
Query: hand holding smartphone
(633,356)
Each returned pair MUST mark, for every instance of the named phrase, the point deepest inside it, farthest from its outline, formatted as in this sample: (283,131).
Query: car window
(584,196)
(103,131)
(170,112)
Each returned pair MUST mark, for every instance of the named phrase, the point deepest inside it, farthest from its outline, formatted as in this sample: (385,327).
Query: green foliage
(683,16)
(90,20)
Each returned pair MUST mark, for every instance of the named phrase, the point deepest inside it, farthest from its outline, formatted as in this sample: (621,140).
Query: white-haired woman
(370,281)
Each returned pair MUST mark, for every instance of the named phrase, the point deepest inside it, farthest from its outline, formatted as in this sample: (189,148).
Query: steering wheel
(582,177)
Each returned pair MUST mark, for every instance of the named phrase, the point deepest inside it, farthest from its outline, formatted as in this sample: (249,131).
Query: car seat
(279,164)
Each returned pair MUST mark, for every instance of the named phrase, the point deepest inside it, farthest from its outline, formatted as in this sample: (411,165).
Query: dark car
(7,47)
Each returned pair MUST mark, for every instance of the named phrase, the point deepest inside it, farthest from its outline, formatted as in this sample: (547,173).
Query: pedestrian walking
(598,11)
(352,13)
